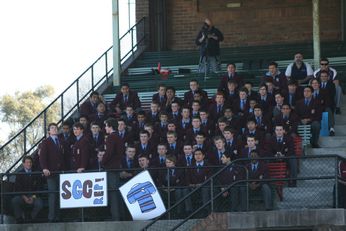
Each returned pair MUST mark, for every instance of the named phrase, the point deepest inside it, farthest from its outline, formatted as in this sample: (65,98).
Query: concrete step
(327,151)
(314,196)
(333,142)
(169,224)
(317,167)
(340,130)
(340,119)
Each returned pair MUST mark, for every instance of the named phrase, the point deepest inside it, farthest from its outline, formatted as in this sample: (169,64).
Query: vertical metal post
(169,192)
(2,199)
(316,32)
(92,77)
(45,123)
(343,24)
(212,194)
(129,12)
(131,41)
(247,189)
(77,86)
(336,182)
(106,65)
(24,134)
(62,107)
(116,43)
(82,214)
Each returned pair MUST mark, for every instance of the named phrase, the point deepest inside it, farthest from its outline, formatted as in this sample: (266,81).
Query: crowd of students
(197,131)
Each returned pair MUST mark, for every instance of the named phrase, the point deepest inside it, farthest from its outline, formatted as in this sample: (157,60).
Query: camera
(205,28)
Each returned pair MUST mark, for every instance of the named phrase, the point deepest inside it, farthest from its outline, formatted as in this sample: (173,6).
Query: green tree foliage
(19,110)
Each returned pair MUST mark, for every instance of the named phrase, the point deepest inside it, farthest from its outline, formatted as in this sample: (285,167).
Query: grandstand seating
(140,78)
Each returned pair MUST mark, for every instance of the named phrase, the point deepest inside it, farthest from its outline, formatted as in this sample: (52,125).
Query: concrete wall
(310,219)
(253,23)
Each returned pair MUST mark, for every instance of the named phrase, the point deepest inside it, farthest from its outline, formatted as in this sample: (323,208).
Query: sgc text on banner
(80,190)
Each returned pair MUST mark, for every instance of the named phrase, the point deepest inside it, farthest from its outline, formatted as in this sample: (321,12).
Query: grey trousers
(315,132)
(18,205)
(338,95)
(113,181)
(53,207)
(209,64)
(238,198)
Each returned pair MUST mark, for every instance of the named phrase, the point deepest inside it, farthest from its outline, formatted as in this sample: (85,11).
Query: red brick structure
(254,23)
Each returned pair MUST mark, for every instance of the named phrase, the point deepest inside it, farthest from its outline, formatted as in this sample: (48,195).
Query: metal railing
(317,194)
(313,182)
(68,102)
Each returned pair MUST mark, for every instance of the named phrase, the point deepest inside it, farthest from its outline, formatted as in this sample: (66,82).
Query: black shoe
(292,184)
(316,146)
(332,133)
(20,221)
(337,111)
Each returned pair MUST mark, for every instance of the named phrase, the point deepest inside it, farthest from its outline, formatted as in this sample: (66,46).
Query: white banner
(80,190)
(142,197)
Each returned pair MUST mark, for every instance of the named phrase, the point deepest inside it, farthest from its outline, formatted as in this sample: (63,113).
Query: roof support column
(316,32)
(116,43)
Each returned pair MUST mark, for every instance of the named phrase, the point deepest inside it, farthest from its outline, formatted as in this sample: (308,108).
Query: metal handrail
(213,185)
(79,98)
(210,179)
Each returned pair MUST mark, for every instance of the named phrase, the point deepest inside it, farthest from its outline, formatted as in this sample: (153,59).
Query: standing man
(208,39)
(111,160)
(52,160)
(80,149)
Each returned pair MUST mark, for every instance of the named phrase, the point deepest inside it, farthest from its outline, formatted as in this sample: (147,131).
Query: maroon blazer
(132,100)
(189,97)
(312,111)
(170,177)
(149,151)
(87,108)
(262,170)
(209,126)
(290,124)
(214,114)
(245,152)
(51,155)
(95,145)
(99,119)
(178,149)
(198,175)
(236,107)
(128,137)
(286,147)
(231,174)
(114,152)
(162,103)
(224,82)
(81,153)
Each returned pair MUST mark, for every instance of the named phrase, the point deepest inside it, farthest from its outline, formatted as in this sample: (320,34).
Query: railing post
(247,189)
(77,91)
(212,194)
(132,41)
(169,192)
(336,183)
(45,123)
(24,144)
(2,199)
(92,77)
(62,107)
(106,65)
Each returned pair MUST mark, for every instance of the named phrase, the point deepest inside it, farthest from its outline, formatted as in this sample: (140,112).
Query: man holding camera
(208,40)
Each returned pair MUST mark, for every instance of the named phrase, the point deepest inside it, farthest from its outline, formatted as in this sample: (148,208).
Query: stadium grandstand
(234,108)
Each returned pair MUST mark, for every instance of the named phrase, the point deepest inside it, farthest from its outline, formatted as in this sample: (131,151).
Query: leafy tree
(18,111)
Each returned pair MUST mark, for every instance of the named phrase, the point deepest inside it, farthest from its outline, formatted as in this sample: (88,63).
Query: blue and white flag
(142,197)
